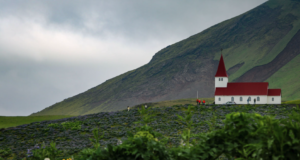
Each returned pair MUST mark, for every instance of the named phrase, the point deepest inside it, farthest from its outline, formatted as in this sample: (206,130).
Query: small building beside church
(242,92)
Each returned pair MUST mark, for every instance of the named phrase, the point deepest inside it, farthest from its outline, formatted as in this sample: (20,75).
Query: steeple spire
(221,72)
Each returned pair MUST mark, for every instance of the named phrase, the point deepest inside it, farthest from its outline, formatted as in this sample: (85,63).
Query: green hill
(259,45)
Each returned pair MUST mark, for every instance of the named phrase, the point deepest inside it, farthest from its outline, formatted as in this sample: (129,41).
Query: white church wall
(221,82)
(224,99)
(219,99)
(276,100)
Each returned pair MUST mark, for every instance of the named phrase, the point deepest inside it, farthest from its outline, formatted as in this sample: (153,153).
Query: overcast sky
(52,50)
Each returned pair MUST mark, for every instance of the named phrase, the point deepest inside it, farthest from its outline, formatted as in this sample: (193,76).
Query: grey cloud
(134,19)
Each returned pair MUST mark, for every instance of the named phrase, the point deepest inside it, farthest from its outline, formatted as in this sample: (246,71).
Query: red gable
(243,88)
(274,92)
(221,72)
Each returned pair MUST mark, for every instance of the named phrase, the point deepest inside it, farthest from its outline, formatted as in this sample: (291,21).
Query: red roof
(274,92)
(221,72)
(243,88)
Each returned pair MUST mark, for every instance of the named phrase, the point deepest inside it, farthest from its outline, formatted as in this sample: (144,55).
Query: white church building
(242,92)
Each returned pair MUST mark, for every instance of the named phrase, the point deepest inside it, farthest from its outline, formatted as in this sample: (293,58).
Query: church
(243,92)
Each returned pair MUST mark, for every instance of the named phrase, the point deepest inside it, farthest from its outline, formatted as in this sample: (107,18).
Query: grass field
(6,122)
(181,102)
(292,102)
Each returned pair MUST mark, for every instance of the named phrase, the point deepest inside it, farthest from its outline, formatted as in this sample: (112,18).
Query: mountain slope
(252,42)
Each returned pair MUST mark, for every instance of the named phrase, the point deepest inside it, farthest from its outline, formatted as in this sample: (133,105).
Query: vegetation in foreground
(177,132)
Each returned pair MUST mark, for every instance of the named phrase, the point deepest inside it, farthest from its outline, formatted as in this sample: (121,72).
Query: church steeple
(221,72)
(221,77)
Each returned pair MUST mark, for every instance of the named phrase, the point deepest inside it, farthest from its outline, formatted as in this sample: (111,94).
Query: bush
(54,125)
(5,152)
(132,148)
(45,151)
(72,125)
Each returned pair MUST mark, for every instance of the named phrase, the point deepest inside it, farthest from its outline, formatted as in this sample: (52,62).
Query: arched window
(249,98)
(241,98)
(258,98)
(219,99)
(272,98)
(232,99)
(219,79)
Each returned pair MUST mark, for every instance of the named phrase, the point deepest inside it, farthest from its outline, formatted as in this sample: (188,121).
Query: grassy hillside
(287,78)
(6,122)
(260,52)
(251,42)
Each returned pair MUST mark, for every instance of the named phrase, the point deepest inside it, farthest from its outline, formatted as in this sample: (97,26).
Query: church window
(272,98)
(249,98)
(219,99)
(258,98)
(232,99)
(221,79)
(241,98)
